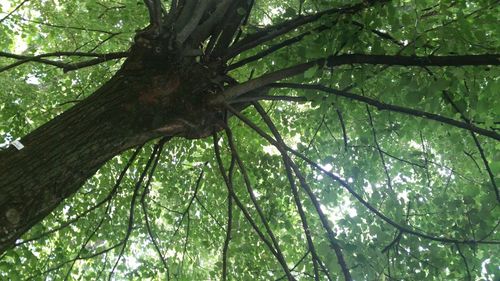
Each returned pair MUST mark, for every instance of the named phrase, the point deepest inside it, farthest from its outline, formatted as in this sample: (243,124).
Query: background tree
(243,140)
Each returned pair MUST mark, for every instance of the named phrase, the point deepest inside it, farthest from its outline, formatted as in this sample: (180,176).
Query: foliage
(431,184)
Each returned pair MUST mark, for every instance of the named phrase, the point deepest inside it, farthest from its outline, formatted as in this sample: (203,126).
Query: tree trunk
(139,103)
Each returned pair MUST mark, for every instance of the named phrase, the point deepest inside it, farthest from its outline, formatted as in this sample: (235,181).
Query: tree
(307,140)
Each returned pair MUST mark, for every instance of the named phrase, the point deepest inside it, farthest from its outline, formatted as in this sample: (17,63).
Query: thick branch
(199,11)
(485,59)
(331,61)
(384,106)
(204,29)
(274,31)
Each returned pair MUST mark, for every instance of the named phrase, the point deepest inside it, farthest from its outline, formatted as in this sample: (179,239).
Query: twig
(375,140)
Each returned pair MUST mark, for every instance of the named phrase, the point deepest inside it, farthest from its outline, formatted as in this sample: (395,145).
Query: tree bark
(139,103)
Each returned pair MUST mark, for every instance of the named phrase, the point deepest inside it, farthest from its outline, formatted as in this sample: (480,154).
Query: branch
(14,10)
(206,27)
(99,58)
(155,11)
(375,140)
(298,38)
(250,191)
(295,266)
(108,198)
(342,125)
(229,185)
(195,193)
(132,206)
(275,48)
(344,184)
(478,145)
(226,33)
(145,210)
(384,106)
(393,60)
(191,25)
(84,245)
(228,236)
(331,61)
(252,40)
(469,276)
(87,29)
(290,165)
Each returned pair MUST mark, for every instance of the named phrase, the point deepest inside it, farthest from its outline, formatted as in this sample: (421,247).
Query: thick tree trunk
(166,87)
(138,104)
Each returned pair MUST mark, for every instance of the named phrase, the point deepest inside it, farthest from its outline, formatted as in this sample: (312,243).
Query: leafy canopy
(404,197)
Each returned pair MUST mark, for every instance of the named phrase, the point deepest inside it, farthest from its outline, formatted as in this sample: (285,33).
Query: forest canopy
(249,140)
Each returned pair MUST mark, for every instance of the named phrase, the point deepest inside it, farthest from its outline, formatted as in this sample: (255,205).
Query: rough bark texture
(164,88)
(141,102)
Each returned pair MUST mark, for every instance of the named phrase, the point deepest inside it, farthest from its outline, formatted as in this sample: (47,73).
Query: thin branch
(84,245)
(108,198)
(221,227)
(90,256)
(393,242)
(344,184)
(195,193)
(274,48)
(344,131)
(316,131)
(382,159)
(145,209)
(469,276)
(228,236)
(186,242)
(71,27)
(132,207)
(296,265)
(381,34)
(246,179)
(373,102)
(14,10)
(99,58)
(478,145)
(298,203)
(290,165)
(229,185)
